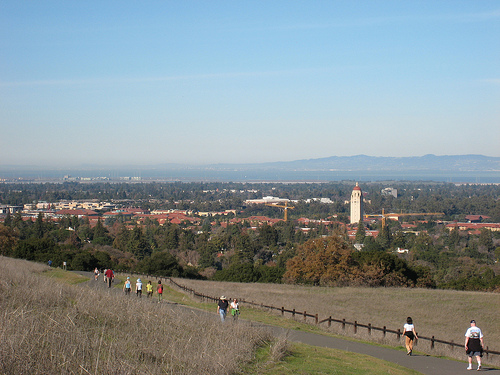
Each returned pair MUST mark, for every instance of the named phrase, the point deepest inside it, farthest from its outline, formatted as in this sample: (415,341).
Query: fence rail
(432,340)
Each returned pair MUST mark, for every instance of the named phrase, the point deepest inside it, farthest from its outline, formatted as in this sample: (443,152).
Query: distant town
(215,227)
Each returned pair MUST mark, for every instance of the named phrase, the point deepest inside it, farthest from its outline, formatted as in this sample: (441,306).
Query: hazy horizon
(203,165)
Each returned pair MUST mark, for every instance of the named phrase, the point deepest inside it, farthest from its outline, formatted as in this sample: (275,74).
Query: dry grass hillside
(444,314)
(48,327)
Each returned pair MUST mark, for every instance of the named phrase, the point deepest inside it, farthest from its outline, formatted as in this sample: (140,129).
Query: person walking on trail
(127,286)
(474,344)
(109,276)
(149,289)
(96,274)
(222,306)
(409,334)
(138,288)
(159,290)
(235,309)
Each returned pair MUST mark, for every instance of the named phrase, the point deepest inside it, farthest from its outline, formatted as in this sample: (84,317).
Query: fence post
(370,329)
(399,334)
(293,313)
(343,324)
(355,326)
(316,319)
(305,316)
(282,311)
(329,322)
(432,342)
(384,330)
(452,344)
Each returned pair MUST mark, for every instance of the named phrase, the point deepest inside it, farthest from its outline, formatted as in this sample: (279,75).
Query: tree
(103,259)
(486,239)
(360,233)
(83,261)
(244,249)
(207,226)
(454,238)
(8,240)
(38,229)
(161,264)
(207,253)
(138,244)
(100,235)
(8,219)
(268,236)
(122,237)
(243,273)
(172,237)
(36,249)
(321,261)
(384,238)
(379,268)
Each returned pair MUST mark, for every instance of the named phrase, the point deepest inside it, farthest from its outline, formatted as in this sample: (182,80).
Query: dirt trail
(425,364)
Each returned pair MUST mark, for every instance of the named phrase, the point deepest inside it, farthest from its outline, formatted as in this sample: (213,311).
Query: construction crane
(392,214)
(285,207)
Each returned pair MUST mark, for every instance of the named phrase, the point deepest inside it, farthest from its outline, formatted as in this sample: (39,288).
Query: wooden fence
(356,325)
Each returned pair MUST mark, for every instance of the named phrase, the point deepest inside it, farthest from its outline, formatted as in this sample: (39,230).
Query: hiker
(235,309)
(149,289)
(159,290)
(64,265)
(110,275)
(222,306)
(138,288)
(127,286)
(104,274)
(409,334)
(49,263)
(474,344)
(96,274)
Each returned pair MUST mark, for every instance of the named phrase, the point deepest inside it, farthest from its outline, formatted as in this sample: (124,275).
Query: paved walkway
(423,363)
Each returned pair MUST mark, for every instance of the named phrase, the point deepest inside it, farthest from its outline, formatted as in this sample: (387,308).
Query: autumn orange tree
(322,261)
(331,261)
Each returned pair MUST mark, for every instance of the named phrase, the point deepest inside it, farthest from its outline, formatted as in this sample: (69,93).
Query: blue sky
(197,82)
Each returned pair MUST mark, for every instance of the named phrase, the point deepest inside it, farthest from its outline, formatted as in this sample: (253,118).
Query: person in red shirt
(110,275)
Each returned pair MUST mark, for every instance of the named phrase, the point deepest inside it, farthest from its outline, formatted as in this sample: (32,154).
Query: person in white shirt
(138,288)
(409,334)
(235,309)
(474,344)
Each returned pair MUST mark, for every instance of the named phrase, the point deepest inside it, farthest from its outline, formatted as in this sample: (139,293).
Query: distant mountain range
(452,168)
(430,162)
(469,163)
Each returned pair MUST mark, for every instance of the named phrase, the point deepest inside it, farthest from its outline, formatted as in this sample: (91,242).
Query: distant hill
(449,168)
(463,163)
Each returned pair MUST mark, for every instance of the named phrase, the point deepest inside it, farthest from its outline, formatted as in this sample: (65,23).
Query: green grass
(67,277)
(305,359)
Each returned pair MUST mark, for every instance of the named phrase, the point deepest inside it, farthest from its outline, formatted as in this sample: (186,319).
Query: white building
(390,191)
(268,199)
(356,205)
